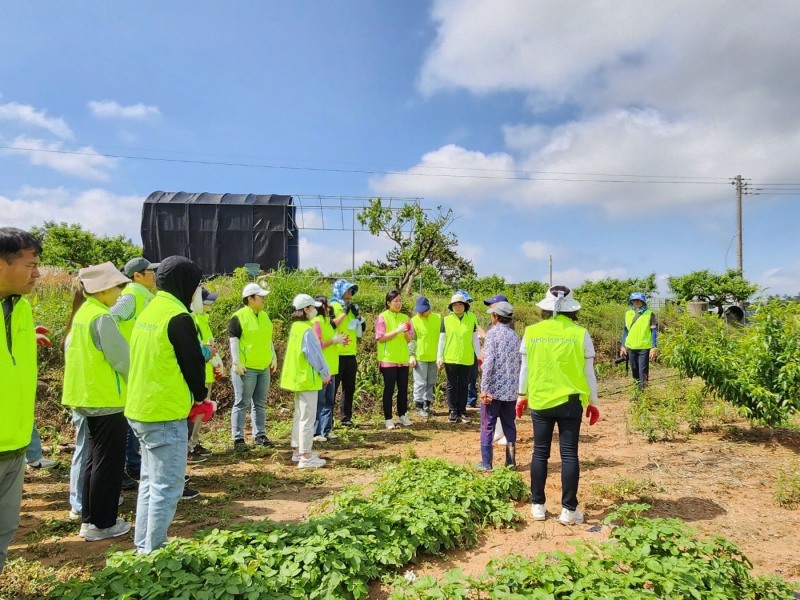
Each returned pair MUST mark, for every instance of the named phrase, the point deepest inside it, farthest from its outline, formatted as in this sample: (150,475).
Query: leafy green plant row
(756,368)
(418,506)
(645,558)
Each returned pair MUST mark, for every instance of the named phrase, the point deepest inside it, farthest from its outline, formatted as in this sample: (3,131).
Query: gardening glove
(522,406)
(273,367)
(480,363)
(219,370)
(339,338)
(440,363)
(41,336)
(593,413)
(202,410)
(239,369)
(412,362)
(401,329)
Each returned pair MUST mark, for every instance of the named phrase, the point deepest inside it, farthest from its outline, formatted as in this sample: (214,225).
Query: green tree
(419,240)
(614,290)
(71,247)
(717,290)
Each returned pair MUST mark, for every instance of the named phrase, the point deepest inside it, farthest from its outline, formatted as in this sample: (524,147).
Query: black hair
(299,315)
(391,296)
(548,314)
(504,320)
(324,302)
(13,241)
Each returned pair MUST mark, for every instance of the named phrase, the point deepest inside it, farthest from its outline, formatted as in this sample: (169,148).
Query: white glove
(339,338)
(400,328)
(412,362)
(440,363)
(239,369)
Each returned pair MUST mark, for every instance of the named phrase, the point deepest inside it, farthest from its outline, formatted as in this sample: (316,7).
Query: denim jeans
(133,459)
(250,395)
(640,365)
(163,467)
(568,418)
(12,473)
(425,376)
(78,469)
(472,384)
(324,422)
(34,451)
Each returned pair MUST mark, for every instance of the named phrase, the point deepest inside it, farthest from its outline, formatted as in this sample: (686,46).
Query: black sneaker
(186,479)
(199,449)
(463,418)
(453,418)
(240,446)
(189,493)
(128,483)
(264,442)
(348,424)
(193,458)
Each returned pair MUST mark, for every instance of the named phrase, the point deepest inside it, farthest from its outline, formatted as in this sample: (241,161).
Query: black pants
(640,365)
(568,418)
(105,461)
(392,376)
(347,377)
(457,380)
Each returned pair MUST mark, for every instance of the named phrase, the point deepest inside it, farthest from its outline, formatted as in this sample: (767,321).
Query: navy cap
(495,300)
(209,297)
(422,305)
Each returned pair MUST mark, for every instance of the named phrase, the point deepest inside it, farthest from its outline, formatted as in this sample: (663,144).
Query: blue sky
(601,134)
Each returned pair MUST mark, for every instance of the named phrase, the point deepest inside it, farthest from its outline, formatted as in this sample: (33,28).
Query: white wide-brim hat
(557,296)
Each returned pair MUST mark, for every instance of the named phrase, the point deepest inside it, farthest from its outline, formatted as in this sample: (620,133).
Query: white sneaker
(84,529)
(320,438)
(74,516)
(389,424)
(296,456)
(332,436)
(538,512)
(315,462)
(422,412)
(93,534)
(43,463)
(405,420)
(571,517)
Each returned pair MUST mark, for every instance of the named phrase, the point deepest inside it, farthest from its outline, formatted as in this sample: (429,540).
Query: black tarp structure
(221,231)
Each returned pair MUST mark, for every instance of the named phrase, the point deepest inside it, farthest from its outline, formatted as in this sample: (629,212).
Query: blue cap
(422,305)
(495,300)
(637,296)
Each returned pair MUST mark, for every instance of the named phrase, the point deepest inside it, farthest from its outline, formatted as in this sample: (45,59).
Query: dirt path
(720,482)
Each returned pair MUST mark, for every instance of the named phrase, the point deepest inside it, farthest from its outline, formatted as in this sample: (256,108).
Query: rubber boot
(486,458)
(511,455)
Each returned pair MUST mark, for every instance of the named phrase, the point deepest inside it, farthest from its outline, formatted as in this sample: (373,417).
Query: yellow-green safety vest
(255,345)
(555,358)
(298,375)
(331,351)
(396,349)
(426,331)
(17,377)
(344,328)
(458,349)
(639,333)
(89,379)
(204,333)
(143,297)
(157,390)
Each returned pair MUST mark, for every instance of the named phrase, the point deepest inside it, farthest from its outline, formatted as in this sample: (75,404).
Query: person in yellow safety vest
(557,382)
(19,270)
(96,367)
(201,307)
(425,325)
(136,295)
(253,364)
(305,371)
(167,377)
(330,342)
(639,338)
(393,331)
(348,322)
(459,347)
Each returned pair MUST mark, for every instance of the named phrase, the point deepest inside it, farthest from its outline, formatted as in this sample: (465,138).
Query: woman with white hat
(97,362)
(557,382)
(458,348)
(304,373)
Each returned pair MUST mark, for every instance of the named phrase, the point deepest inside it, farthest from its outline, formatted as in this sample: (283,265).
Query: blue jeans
(472,384)
(12,473)
(250,395)
(78,469)
(324,422)
(133,460)
(161,486)
(640,365)
(34,451)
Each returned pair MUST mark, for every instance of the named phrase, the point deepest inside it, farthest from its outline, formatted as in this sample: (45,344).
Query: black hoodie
(180,277)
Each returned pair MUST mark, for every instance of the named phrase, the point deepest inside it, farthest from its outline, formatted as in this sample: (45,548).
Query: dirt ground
(721,482)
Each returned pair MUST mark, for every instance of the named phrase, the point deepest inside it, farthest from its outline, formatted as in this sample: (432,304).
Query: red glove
(41,336)
(204,410)
(480,363)
(522,406)
(593,413)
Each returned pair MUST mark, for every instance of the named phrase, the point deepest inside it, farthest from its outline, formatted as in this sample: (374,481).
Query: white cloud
(84,162)
(537,250)
(332,252)
(23,114)
(98,210)
(573,277)
(111,109)
(780,280)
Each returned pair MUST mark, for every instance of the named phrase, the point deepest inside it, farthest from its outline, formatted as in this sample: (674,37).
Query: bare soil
(721,482)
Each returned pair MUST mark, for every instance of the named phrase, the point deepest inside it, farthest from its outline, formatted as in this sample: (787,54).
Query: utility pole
(739,262)
(551,269)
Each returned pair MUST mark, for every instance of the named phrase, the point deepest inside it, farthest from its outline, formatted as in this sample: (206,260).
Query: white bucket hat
(101,277)
(559,299)
(458,298)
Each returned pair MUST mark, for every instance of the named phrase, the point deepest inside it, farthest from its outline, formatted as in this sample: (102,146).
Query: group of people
(140,361)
